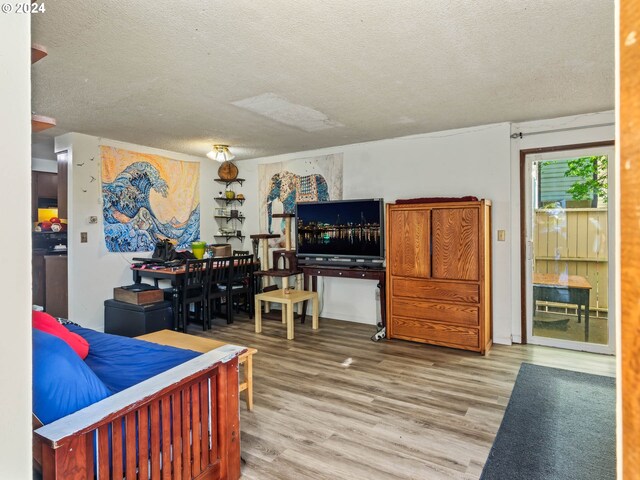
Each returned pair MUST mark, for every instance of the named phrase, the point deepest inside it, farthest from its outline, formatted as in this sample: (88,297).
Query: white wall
(43,158)
(473,161)
(44,165)
(15,254)
(93,271)
(481,161)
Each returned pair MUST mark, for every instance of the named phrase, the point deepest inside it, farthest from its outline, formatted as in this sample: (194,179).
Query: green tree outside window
(588,177)
(594,183)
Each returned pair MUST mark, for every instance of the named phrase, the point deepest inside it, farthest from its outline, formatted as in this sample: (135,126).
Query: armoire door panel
(454,239)
(409,243)
(436,290)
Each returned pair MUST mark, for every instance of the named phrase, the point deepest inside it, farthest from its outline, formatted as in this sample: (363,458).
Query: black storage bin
(131,320)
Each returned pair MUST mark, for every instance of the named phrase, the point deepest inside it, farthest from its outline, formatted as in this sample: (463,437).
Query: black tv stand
(339,262)
(347,270)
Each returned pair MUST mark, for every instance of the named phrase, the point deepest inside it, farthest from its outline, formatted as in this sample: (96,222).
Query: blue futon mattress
(121,362)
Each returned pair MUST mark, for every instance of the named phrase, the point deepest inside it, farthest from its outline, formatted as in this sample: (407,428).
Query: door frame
(523,226)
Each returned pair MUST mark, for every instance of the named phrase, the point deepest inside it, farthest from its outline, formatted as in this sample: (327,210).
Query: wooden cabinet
(47,184)
(439,274)
(44,188)
(56,278)
(49,283)
(37,279)
(63,168)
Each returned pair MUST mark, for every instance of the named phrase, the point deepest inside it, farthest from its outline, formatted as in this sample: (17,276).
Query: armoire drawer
(434,332)
(438,311)
(435,290)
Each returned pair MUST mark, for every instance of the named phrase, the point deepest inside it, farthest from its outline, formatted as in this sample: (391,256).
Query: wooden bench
(202,344)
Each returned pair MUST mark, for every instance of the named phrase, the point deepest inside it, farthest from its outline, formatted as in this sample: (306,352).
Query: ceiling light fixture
(220,153)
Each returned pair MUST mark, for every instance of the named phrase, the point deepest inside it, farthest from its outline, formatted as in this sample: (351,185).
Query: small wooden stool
(287,300)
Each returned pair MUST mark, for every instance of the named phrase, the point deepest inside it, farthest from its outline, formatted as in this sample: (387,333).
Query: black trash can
(131,320)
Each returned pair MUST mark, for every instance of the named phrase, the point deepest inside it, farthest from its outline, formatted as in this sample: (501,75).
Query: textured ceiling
(174,74)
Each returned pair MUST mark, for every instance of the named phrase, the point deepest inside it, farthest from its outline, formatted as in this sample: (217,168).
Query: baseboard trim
(502,340)
(348,318)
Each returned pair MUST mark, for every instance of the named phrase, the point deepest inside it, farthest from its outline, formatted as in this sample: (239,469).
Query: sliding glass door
(569,241)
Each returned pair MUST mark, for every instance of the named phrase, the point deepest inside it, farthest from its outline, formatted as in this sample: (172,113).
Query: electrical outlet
(83,237)
(502,235)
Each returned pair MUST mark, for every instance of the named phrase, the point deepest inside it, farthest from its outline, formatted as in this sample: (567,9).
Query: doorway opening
(567,225)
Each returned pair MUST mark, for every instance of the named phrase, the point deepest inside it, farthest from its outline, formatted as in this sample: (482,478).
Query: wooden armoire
(439,273)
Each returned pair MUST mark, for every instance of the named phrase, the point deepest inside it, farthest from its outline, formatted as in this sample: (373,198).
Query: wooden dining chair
(240,284)
(219,269)
(193,291)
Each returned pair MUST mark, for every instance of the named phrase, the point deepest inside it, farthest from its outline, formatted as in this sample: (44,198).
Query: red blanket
(468,198)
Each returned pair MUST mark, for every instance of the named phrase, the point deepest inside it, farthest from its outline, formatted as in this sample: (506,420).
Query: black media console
(349,270)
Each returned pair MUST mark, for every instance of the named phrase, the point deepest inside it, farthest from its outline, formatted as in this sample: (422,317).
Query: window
(573,183)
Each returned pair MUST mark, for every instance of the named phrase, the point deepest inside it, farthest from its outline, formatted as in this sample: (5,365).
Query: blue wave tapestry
(147,198)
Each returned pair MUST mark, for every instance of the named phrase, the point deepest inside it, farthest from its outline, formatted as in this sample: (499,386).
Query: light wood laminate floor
(332,404)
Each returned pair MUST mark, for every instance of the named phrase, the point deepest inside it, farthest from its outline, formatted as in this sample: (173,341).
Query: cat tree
(284,261)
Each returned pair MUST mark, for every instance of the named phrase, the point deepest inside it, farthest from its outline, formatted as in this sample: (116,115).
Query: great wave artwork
(147,198)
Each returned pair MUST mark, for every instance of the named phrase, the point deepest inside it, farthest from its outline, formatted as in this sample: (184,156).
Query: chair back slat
(241,267)
(196,277)
(219,270)
(196,272)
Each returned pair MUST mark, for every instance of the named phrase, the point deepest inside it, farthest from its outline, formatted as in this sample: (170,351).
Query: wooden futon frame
(181,424)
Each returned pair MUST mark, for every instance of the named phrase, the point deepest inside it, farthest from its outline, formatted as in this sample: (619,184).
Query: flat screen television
(340,230)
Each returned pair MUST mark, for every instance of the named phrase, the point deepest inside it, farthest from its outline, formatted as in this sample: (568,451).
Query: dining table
(160,272)
(174,275)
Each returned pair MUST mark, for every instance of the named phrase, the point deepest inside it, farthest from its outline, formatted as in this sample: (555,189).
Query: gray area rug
(558,425)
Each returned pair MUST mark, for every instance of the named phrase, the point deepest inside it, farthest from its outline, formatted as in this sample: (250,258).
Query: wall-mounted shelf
(228,237)
(229,182)
(40,122)
(38,52)
(225,213)
(229,217)
(227,201)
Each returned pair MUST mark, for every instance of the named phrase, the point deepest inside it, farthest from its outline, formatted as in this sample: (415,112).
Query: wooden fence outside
(575,241)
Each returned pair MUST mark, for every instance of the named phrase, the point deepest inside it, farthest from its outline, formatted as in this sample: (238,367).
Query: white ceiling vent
(282,110)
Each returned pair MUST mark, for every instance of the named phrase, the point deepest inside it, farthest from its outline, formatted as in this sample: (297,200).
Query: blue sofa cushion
(62,382)
(121,362)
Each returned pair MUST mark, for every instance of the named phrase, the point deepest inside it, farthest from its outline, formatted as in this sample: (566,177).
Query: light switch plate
(502,235)
(83,237)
